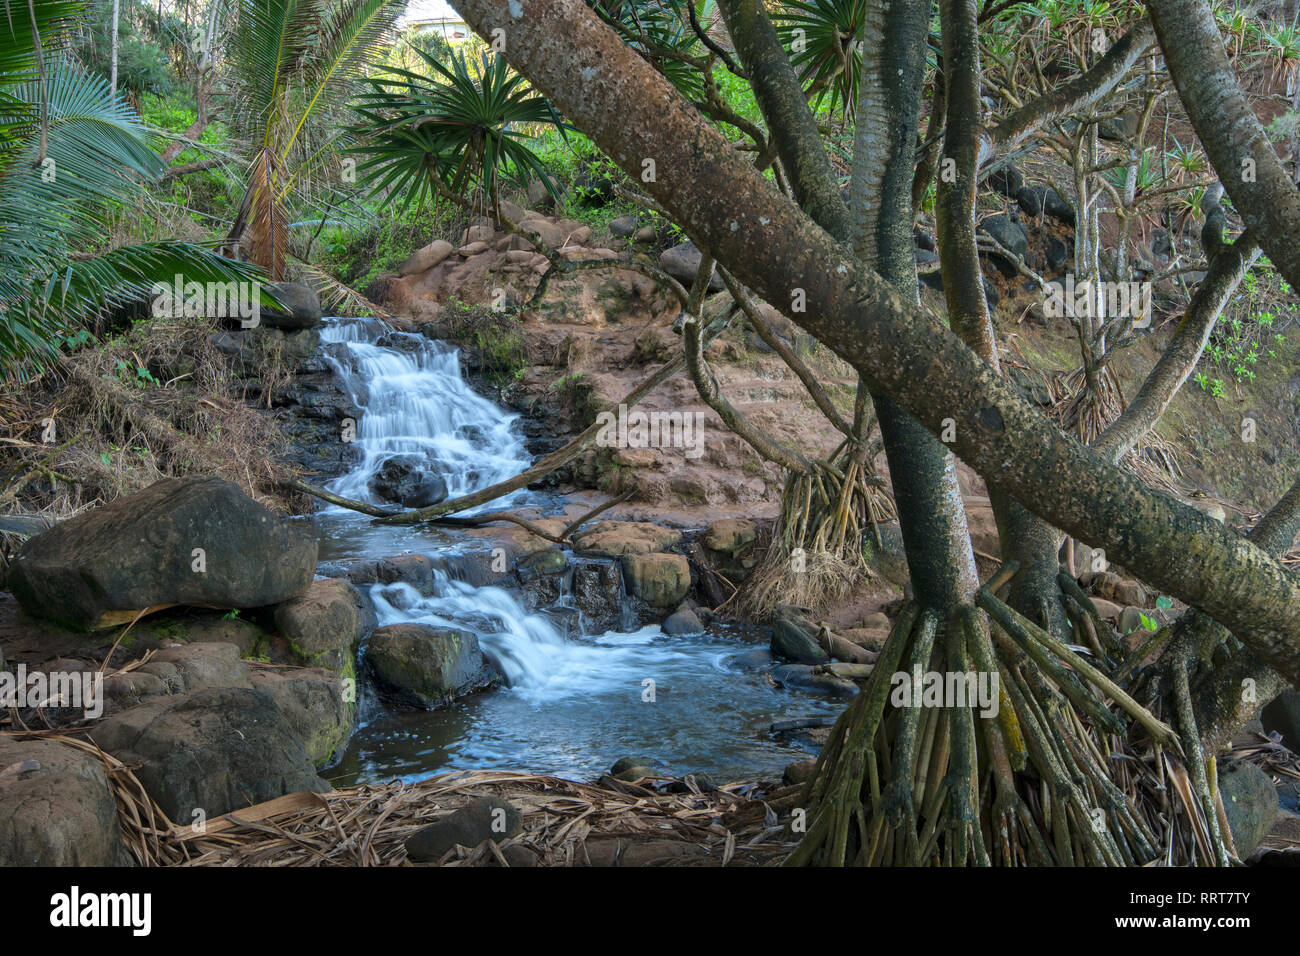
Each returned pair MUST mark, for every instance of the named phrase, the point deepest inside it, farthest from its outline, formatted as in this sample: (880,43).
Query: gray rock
(198,666)
(1250,802)
(624,226)
(404,480)
(312,702)
(213,750)
(426,665)
(488,818)
(803,677)
(1012,236)
(56,808)
(598,594)
(681,622)
(683,261)
(323,625)
(792,641)
(139,552)
(301,306)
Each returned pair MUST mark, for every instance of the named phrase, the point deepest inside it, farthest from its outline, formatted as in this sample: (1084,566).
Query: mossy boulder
(426,666)
(660,580)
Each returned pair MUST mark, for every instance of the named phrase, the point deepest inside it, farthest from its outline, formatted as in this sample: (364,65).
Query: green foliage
(69,150)
(822,37)
(450,127)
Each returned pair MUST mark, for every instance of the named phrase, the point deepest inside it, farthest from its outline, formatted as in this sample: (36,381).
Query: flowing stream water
(573,701)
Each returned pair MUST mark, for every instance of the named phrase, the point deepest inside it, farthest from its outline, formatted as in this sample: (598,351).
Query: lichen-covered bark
(768,243)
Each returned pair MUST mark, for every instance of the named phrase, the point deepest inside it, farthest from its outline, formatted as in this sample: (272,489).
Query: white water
(572,703)
(415,402)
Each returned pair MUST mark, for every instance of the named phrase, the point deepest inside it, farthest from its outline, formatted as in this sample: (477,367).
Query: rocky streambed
(228,655)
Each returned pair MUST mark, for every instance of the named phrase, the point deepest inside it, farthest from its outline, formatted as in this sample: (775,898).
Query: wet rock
(56,808)
(301,306)
(1250,803)
(598,594)
(413,569)
(661,580)
(806,677)
(794,640)
(404,480)
(213,750)
(105,565)
(422,260)
(324,625)
(683,261)
(682,622)
(426,665)
(314,706)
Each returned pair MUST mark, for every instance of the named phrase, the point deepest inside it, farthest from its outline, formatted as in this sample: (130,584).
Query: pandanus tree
(289,64)
(69,150)
(451,131)
(1068,769)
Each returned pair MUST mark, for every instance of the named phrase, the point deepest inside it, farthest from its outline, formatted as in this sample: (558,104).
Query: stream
(573,701)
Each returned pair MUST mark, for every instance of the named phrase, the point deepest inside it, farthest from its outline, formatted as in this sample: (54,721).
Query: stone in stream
(56,808)
(198,541)
(323,626)
(683,621)
(1250,803)
(632,769)
(487,818)
(213,750)
(598,594)
(661,580)
(805,677)
(429,666)
(793,641)
(403,480)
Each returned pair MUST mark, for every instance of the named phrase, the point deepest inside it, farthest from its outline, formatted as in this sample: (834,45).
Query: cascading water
(573,702)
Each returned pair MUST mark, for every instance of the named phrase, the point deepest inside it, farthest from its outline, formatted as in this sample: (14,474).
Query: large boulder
(422,260)
(597,591)
(314,704)
(198,541)
(323,625)
(626,537)
(56,808)
(301,306)
(213,750)
(404,480)
(426,665)
(1250,803)
(794,640)
(661,580)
